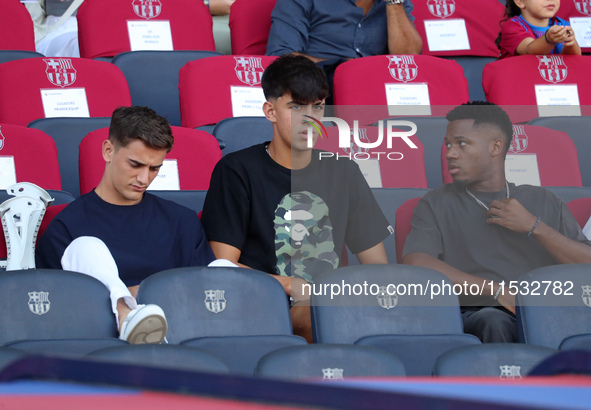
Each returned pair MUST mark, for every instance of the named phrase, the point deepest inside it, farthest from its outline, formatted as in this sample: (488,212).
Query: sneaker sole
(150,330)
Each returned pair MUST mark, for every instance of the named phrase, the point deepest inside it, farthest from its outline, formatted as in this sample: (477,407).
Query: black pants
(490,324)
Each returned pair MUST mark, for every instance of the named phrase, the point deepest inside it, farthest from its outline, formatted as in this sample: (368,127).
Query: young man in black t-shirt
(280,207)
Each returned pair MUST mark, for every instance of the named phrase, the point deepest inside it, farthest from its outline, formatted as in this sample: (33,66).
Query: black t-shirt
(291,222)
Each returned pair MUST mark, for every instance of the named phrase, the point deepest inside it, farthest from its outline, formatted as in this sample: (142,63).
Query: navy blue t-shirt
(146,238)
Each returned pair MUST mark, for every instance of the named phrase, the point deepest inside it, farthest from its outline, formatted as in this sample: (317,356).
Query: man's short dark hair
(140,123)
(295,75)
(484,113)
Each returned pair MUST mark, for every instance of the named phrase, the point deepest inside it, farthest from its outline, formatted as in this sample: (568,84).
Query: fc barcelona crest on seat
(60,71)
(249,70)
(147,9)
(387,300)
(583,7)
(39,302)
(586,295)
(215,301)
(519,141)
(552,68)
(403,68)
(441,8)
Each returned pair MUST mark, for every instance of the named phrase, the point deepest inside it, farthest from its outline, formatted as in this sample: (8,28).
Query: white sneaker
(144,324)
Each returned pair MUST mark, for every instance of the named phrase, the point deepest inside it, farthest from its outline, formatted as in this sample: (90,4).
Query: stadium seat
(459,27)
(402,225)
(57,7)
(399,85)
(546,297)
(330,362)
(556,167)
(35,88)
(576,342)
(242,353)
(9,356)
(473,66)
(578,13)
(33,154)
(161,356)
(214,88)
(577,129)
(569,193)
(11,55)
(170,25)
(389,307)
(38,303)
(153,78)
(397,167)
(250,23)
(581,210)
(16,27)
(242,132)
(210,302)
(507,361)
(67,134)
(192,199)
(539,86)
(196,153)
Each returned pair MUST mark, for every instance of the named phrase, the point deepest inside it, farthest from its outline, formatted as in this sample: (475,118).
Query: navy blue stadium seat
(8,356)
(72,348)
(329,362)
(11,55)
(67,134)
(388,302)
(242,132)
(577,129)
(473,66)
(576,342)
(153,78)
(502,360)
(568,193)
(192,199)
(553,303)
(45,308)
(567,362)
(162,356)
(242,353)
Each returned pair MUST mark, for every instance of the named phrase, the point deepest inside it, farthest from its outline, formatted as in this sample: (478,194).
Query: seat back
(196,153)
(250,23)
(554,76)
(578,13)
(38,302)
(162,356)
(329,362)
(581,210)
(16,27)
(214,88)
(357,303)
(153,78)
(555,292)
(192,199)
(577,129)
(557,167)
(242,132)
(67,134)
(507,361)
(473,66)
(66,84)
(202,302)
(11,55)
(398,166)
(402,225)
(190,25)
(459,27)
(407,79)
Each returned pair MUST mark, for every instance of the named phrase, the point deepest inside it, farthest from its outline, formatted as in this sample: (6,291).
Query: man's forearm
(403,37)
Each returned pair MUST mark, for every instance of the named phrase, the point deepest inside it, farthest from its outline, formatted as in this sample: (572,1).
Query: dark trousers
(490,324)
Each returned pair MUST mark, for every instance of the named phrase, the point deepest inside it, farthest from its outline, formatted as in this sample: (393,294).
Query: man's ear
(108,150)
(269,110)
(498,147)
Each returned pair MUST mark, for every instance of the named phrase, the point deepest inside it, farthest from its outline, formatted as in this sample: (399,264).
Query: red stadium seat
(205,86)
(555,151)
(35,155)
(24,84)
(361,84)
(581,210)
(16,27)
(402,226)
(480,18)
(512,82)
(103,24)
(250,23)
(196,153)
(399,166)
(581,11)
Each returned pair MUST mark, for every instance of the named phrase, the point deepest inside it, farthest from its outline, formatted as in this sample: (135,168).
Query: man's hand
(511,214)
(507,300)
(293,287)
